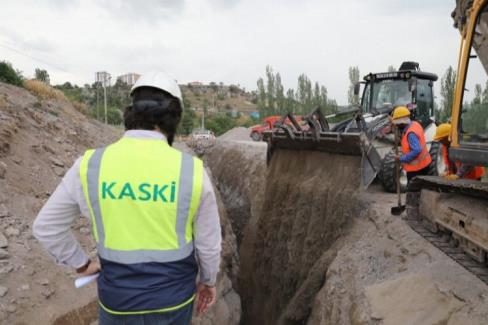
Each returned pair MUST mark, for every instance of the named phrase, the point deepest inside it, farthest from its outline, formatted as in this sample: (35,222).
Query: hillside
(218,98)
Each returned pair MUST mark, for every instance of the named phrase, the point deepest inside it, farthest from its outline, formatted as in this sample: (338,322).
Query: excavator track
(443,239)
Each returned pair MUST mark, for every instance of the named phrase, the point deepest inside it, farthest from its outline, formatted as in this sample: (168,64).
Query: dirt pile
(236,134)
(385,273)
(39,141)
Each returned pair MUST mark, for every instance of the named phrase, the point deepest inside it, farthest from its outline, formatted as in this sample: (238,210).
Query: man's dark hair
(151,108)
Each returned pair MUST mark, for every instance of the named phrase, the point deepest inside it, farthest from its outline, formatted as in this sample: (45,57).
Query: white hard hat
(159,80)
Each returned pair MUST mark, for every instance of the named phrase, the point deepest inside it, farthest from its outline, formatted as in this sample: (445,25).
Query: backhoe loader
(367,133)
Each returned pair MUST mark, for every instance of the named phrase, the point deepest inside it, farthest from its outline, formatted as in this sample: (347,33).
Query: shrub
(9,75)
(80,107)
(43,91)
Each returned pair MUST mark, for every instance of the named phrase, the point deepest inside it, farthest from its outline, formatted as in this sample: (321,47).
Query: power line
(34,58)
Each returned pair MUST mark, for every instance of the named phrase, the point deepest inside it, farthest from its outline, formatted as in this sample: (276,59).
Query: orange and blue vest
(423,159)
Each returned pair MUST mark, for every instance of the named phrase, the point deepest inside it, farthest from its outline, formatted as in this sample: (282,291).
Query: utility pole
(105,81)
(98,106)
(105,101)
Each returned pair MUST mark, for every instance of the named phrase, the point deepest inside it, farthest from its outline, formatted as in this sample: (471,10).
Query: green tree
(261,99)
(205,105)
(290,102)
(114,115)
(270,91)
(353,79)
(317,98)
(220,123)
(42,75)
(304,94)
(391,68)
(484,99)
(9,75)
(187,121)
(448,83)
(324,99)
(280,95)
(478,95)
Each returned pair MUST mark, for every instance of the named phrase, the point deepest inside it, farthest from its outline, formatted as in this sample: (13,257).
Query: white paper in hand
(84,280)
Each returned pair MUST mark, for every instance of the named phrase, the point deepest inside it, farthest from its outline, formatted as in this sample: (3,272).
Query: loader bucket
(313,134)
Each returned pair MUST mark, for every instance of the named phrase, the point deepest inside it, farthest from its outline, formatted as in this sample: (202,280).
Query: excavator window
(474,112)
(387,93)
(425,102)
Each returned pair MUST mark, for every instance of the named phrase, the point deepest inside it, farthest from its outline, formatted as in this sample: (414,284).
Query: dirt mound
(309,202)
(236,134)
(382,262)
(39,140)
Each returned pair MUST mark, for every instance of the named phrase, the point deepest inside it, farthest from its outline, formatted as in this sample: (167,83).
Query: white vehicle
(202,135)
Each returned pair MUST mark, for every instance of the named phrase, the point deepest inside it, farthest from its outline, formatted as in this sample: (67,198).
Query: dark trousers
(422,172)
(178,317)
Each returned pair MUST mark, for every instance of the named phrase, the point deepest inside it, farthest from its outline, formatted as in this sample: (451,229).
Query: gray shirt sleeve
(207,234)
(52,226)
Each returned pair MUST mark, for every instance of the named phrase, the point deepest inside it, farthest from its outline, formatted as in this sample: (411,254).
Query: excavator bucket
(312,133)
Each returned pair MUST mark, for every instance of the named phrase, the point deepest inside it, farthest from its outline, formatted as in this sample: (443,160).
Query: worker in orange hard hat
(455,170)
(415,158)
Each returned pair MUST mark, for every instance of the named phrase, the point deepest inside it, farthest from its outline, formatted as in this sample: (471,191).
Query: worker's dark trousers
(411,175)
(178,317)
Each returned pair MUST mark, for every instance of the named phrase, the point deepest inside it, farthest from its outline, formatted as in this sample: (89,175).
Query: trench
(282,226)
(289,218)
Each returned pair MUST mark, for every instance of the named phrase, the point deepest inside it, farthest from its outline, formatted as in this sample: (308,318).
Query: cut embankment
(310,199)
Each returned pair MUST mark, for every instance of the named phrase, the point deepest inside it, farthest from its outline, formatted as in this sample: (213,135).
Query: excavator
(450,214)
(453,214)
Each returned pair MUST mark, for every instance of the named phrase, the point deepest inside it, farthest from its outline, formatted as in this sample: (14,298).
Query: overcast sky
(227,40)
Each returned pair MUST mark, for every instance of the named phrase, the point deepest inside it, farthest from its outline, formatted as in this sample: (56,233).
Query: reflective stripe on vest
(423,159)
(157,224)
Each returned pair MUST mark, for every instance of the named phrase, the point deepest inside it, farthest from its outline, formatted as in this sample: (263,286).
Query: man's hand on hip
(206,297)
(90,268)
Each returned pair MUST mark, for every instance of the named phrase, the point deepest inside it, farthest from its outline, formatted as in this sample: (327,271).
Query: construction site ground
(301,244)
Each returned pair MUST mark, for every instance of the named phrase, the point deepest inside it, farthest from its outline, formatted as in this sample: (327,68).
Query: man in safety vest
(455,170)
(153,212)
(415,158)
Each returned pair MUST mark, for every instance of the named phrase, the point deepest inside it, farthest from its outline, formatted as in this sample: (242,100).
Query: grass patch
(43,91)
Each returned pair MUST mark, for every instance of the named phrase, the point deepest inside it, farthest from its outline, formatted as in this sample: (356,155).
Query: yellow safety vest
(142,195)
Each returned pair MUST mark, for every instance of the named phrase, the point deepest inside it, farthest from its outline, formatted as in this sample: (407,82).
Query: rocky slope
(39,140)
